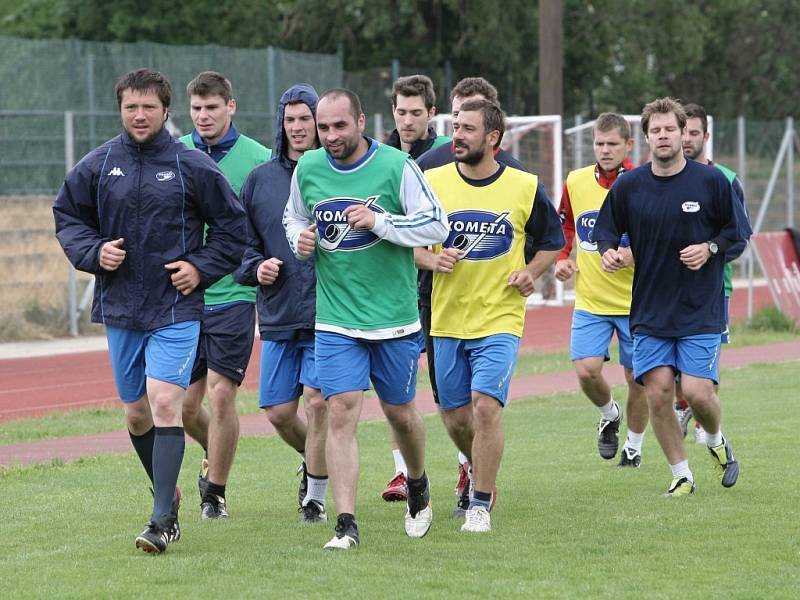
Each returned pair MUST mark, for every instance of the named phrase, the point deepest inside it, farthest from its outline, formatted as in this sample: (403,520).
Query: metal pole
(558,174)
(378,126)
(72,283)
(741,151)
(710,144)
(271,98)
(577,147)
(750,269)
(448,80)
(637,147)
(69,140)
(741,154)
(773,178)
(790,173)
(92,105)
(395,69)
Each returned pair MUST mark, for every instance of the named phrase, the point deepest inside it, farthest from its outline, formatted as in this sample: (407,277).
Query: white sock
(462,458)
(399,462)
(714,439)
(682,470)
(634,441)
(610,412)
(316,490)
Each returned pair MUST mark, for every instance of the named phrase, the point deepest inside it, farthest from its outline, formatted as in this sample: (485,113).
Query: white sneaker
(699,435)
(341,542)
(477,520)
(417,527)
(346,536)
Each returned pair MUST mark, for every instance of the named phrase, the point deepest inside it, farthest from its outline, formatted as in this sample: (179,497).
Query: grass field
(567,524)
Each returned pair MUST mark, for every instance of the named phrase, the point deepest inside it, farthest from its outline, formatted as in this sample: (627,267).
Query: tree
(734,56)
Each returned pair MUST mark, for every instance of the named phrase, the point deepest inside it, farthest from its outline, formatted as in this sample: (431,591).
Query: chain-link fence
(61,104)
(53,76)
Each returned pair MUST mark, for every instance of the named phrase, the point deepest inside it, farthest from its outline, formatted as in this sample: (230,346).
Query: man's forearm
(542,261)
(424,259)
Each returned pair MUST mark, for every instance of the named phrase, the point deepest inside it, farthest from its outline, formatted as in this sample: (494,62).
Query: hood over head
(301,92)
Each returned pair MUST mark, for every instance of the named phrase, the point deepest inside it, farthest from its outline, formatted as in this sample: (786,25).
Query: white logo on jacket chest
(165,175)
(117,172)
(690,207)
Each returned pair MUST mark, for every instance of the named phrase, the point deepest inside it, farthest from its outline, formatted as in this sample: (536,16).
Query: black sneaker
(725,463)
(301,493)
(174,528)
(608,436)
(313,512)
(155,538)
(630,458)
(346,536)
(213,507)
(463,504)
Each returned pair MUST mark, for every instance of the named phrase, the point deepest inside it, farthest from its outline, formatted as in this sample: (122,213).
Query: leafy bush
(772,319)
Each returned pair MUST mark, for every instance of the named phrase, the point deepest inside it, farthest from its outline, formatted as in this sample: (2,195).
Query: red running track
(35,386)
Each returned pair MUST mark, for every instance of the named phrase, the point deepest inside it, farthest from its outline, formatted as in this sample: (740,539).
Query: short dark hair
(663,106)
(415,85)
(210,83)
(472,86)
(494,119)
(352,97)
(145,80)
(608,121)
(695,111)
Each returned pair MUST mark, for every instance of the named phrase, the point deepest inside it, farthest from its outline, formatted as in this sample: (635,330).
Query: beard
(472,157)
(346,150)
(692,152)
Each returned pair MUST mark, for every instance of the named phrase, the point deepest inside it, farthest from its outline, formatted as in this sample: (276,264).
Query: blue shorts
(591,336)
(695,355)
(226,341)
(482,365)
(165,354)
(726,335)
(346,364)
(285,368)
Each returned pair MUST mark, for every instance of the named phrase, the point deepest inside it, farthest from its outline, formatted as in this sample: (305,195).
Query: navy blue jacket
(287,307)
(158,197)
(663,215)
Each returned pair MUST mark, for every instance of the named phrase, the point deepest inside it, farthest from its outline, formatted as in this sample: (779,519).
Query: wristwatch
(712,247)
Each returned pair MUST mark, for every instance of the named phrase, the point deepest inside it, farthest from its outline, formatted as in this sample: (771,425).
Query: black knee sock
(167,458)
(143,444)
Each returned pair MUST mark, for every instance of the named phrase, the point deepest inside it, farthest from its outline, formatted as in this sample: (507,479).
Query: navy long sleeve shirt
(663,215)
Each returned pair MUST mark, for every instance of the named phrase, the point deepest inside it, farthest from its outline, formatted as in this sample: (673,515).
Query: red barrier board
(778,260)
